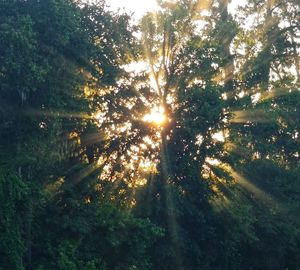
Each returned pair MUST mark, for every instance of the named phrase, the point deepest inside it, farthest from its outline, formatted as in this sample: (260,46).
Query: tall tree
(55,57)
(197,153)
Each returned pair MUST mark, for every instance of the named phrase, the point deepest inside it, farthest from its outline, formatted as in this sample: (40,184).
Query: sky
(140,7)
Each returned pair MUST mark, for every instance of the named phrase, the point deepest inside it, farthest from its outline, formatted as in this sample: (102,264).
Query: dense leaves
(189,161)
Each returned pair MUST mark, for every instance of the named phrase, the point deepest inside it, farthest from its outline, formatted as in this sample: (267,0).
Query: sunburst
(156,116)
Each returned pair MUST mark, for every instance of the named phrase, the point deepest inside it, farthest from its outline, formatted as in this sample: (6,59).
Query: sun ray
(256,191)
(58,114)
(77,177)
(254,116)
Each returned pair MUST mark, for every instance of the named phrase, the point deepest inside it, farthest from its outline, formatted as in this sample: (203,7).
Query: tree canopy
(170,144)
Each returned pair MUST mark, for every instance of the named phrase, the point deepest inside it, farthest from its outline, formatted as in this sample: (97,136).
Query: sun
(156,116)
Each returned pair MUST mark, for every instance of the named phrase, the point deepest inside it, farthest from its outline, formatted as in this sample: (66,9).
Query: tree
(195,154)
(197,118)
(55,55)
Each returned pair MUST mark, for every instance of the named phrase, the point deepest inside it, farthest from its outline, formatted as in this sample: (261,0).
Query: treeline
(87,181)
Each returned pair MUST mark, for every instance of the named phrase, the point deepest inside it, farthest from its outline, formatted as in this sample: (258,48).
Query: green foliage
(13,194)
(76,191)
(97,235)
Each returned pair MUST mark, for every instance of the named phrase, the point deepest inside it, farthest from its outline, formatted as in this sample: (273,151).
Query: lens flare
(156,116)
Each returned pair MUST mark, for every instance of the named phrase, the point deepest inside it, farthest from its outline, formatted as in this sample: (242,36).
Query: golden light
(213,161)
(156,116)
(219,136)
(254,115)
(147,165)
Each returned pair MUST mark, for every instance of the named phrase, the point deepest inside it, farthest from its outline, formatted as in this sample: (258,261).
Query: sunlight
(139,8)
(58,114)
(206,169)
(136,66)
(98,116)
(256,192)
(212,161)
(219,136)
(156,116)
(254,116)
(147,165)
